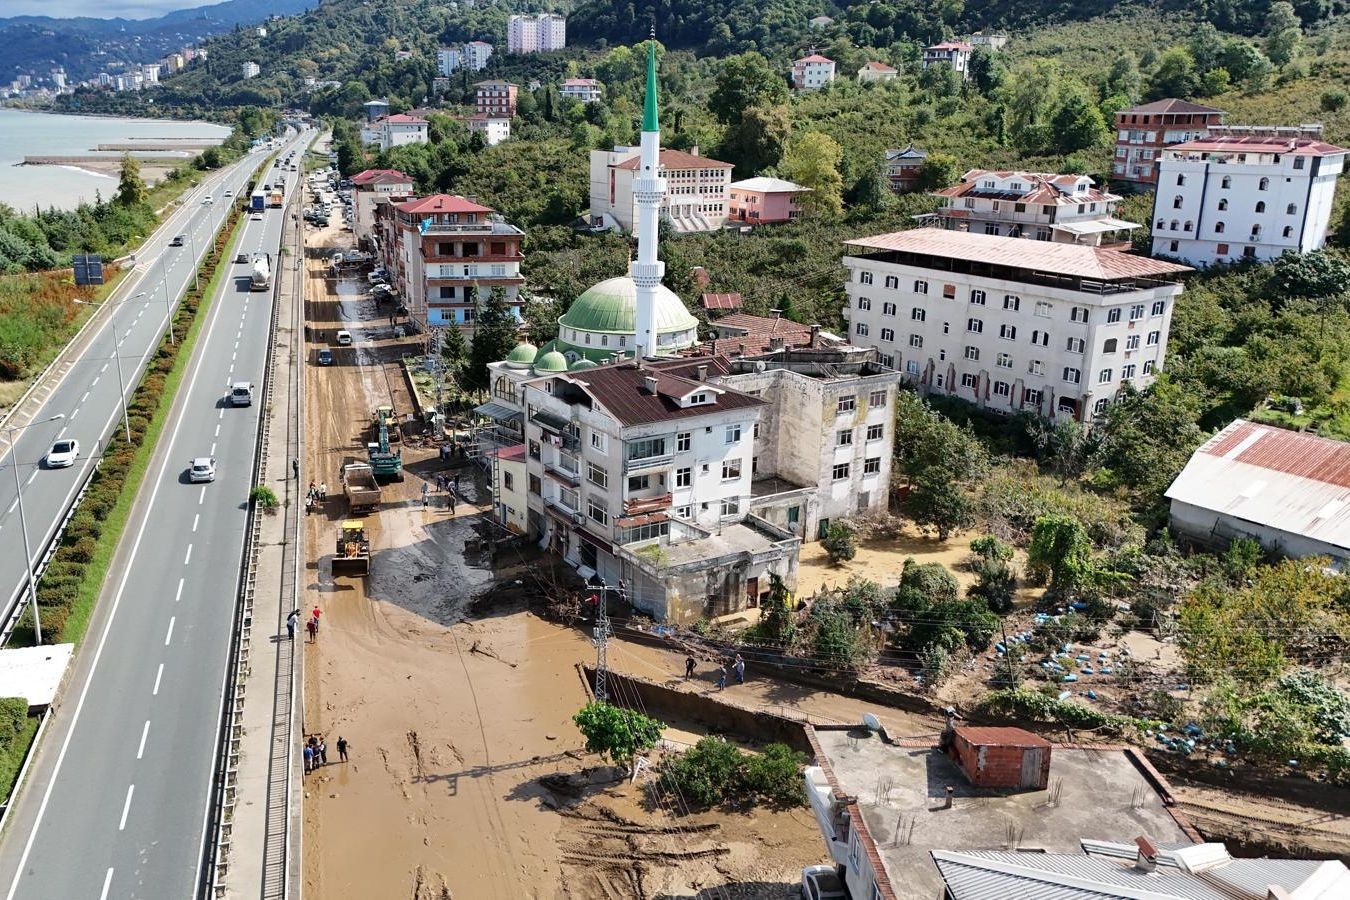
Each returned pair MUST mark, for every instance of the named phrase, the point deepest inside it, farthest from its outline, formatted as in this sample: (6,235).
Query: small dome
(523,354)
(552,361)
(581,364)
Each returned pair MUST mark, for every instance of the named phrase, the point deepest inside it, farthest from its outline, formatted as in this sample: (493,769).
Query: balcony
(568,476)
(639,505)
(648,462)
(433,257)
(562,510)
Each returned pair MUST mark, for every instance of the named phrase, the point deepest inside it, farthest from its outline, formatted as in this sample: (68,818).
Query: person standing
(295,467)
(323,751)
(721,676)
(342,748)
(689,667)
(312,626)
(323,492)
(309,759)
(424,494)
(739,668)
(291,621)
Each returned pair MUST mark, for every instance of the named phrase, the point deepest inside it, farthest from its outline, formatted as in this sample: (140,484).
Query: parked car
(63,454)
(202,469)
(822,883)
(325,357)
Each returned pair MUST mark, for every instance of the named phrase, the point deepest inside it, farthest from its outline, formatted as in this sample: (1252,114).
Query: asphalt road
(121,811)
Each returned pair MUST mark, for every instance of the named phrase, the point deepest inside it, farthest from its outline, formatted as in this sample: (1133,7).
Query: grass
(13,754)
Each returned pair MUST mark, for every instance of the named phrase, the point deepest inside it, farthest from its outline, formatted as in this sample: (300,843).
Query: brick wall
(991,765)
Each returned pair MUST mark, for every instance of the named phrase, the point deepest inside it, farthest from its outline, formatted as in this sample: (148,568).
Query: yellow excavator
(352,556)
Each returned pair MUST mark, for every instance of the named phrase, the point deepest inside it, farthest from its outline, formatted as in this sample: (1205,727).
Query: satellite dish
(872,722)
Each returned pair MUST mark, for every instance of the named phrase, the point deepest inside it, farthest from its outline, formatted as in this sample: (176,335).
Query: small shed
(1001,757)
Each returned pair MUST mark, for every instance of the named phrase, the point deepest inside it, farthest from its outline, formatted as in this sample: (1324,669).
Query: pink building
(763,201)
(495,99)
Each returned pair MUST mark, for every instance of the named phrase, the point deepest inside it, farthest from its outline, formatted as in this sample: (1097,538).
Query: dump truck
(352,555)
(276,196)
(260,279)
(362,490)
(388,464)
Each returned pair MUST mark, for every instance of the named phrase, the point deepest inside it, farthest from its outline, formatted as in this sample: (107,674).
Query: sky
(100,9)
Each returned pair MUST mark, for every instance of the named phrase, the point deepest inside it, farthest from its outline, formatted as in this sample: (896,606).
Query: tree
(1314,275)
(929,613)
(812,160)
(131,190)
(618,733)
(454,353)
(742,82)
(1060,554)
(1214,82)
(1123,78)
(776,623)
(705,774)
(1283,33)
(873,192)
(938,170)
(1030,96)
(1077,123)
(995,583)
(493,338)
(1175,75)
(837,641)
(939,502)
(775,776)
(840,543)
(985,70)
(1246,64)
(1205,46)
(756,140)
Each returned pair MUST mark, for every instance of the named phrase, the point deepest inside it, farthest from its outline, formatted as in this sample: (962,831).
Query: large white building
(698,198)
(370,188)
(473,56)
(1243,192)
(535,34)
(812,72)
(1010,324)
(1038,205)
(249,70)
(397,130)
(583,90)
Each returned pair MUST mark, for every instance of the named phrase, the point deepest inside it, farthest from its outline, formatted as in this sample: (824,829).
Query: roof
(749,335)
(581,82)
(381,176)
(720,301)
(765,185)
(909,152)
(879,67)
(622,390)
(493,82)
(1044,188)
(677,159)
(1073,260)
(1294,483)
(815,58)
(1258,144)
(950,45)
(1170,105)
(404,119)
(611,307)
(377,102)
(34,673)
(995,735)
(442,203)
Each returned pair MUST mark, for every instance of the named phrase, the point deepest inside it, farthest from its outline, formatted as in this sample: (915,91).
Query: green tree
(454,353)
(775,776)
(494,337)
(837,641)
(939,502)
(1077,123)
(131,190)
(873,193)
(812,160)
(1175,75)
(1314,275)
(1030,94)
(1123,78)
(1214,82)
(1060,554)
(840,543)
(1333,100)
(1284,33)
(1205,46)
(776,622)
(1246,64)
(756,140)
(986,71)
(742,82)
(929,613)
(618,733)
(938,170)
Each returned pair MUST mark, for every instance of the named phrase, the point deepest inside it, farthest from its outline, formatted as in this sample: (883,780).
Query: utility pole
(600,638)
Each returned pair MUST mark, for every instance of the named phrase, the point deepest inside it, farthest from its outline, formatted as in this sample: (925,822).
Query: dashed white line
(85,397)
(12,505)
(179,595)
(202,497)
(75,413)
(168,636)
(187,557)
(213,448)
(104,369)
(31,477)
(107,883)
(217,434)
(158,676)
(145,732)
(126,807)
(95,381)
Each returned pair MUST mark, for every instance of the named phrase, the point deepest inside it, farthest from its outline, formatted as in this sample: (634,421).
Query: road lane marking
(202,497)
(213,449)
(195,520)
(126,807)
(12,505)
(31,477)
(107,883)
(217,434)
(95,381)
(60,434)
(85,397)
(169,634)
(188,556)
(158,675)
(104,369)
(74,414)
(145,732)
(179,596)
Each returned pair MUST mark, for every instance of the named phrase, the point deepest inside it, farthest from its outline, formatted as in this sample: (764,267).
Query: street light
(117,357)
(23,521)
(168,304)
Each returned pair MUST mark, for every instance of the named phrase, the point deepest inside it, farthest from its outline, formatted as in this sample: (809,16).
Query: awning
(1094,226)
(498,412)
(645,519)
(550,421)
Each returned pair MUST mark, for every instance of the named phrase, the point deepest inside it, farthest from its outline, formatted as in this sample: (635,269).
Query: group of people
(447,484)
(316,752)
(311,625)
(737,668)
(317,493)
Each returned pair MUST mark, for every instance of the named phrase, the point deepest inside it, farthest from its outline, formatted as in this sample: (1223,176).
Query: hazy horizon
(98,9)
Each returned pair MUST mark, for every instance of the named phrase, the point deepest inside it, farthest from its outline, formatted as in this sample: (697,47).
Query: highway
(117,803)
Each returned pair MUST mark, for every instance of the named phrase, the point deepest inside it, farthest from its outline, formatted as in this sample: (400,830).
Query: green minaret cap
(650,120)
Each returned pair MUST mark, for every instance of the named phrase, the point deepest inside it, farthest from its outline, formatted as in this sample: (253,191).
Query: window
(1291,209)
(1127,372)
(846,404)
(975,326)
(949,291)
(647,449)
(1113,315)
(1004,361)
(977,297)
(843,437)
(916,340)
(1159,307)
(683,477)
(1031,397)
(1287,231)
(876,432)
(1148,367)
(1189,226)
(920,287)
(1298,162)
(1181,179)
(683,441)
(1249,252)
(1218,228)
(886,360)
(864,303)
(700,399)
(1176,202)
(1132,342)
(1260,206)
(597,511)
(1175,224)
(756,434)
(840,471)
(731,507)
(639,482)
(872,465)
(1078,314)
(1043,309)
(1104,376)
(1072,376)
(733,435)
(536,485)
(946,327)
(731,469)
(912,367)
(991,227)
(888,334)
(969,380)
(1075,345)
(597,475)
(888,309)
(1100,406)
(876,399)
(1227,182)
(1040,338)
(865,277)
(892,281)
(917,314)
(684,512)
(1002,389)
(1036,367)
(1007,332)
(534,450)
(861,329)
(1136,312)
(972,354)
(1221,249)
(1223,204)
(598,441)
(1109,346)
(1263,184)
(1012,302)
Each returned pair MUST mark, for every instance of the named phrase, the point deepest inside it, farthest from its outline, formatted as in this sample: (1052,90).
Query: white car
(822,883)
(344,338)
(63,454)
(256,217)
(208,200)
(229,193)
(202,469)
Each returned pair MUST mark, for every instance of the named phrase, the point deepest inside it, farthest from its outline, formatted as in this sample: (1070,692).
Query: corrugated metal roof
(720,301)
(768,185)
(1258,144)
(622,390)
(1292,482)
(1171,105)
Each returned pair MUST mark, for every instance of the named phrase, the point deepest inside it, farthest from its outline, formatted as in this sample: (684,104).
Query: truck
(352,553)
(386,463)
(275,198)
(362,490)
(261,277)
(257,201)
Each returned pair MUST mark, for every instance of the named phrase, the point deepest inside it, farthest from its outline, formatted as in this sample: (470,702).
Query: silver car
(202,469)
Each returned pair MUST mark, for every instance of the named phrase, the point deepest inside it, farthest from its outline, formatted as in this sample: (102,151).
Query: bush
(775,776)
(1033,706)
(263,496)
(13,712)
(82,551)
(840,543)
(704,774)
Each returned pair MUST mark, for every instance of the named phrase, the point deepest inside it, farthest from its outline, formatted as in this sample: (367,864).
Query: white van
(241,394)
(344,338)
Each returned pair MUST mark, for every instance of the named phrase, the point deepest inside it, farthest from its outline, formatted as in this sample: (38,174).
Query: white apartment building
(1244,192)
(535,34)
(813,72)
(696,199)
(150,72)
(249,70)
(473,56)
(955,55)
(583,90)
(1009,324)
(371,187)
(397,130)
(494,129)
(1038,205)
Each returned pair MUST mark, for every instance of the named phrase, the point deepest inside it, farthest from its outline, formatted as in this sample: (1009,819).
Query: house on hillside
(813,72)
(902,168)
(873,72)
(1143,131)
(955,55)
(583,90)
(1043,206)
(697,199)
(765,201)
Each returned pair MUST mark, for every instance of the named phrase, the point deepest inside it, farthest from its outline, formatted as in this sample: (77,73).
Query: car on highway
(243,257)
(202,469)
(208,200)
(256,217)
(62,454)
(344,338)
(178,240)
(229,193)
(325,357)
(822,883)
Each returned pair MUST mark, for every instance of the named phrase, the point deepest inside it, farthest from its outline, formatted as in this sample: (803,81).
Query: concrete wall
(1211,528)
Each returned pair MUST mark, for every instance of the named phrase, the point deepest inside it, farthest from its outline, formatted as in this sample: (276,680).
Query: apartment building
(993,41)
(371,187)
(249,70)
(494,129)
(764,201)
(495,99)
(873,72)
(1009,324)
(902,168)
(376,109)
(535,34)
(583,90)
(1245,192)
(1143,131)
(445,253)
(697,195)
(1038,205)
(397,130)
(473,56)
(813,72)
(955,55)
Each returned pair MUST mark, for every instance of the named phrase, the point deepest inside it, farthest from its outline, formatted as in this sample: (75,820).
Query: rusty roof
(678,159)
(720,301)
(1019,253)
(987,735)
(1290,452)
(1253,143)
(1170,105)
(622,390)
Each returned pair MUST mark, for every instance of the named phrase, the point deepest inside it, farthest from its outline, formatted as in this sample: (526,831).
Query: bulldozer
(386,463)
(352,556)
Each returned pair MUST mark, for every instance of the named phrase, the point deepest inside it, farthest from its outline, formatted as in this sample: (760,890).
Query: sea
(25,133)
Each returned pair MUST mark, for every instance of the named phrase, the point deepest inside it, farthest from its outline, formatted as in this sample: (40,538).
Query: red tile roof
(986,735)
(678,159)
(515,451)
(581,82)
(756,325)
(404,119)
(815,58)
(1073,260)
(720,301)
(878,67)
(1040,187)
(1170,105)
(1259,144)
(1279,450)
(381,176)
(621,389)
(442,203)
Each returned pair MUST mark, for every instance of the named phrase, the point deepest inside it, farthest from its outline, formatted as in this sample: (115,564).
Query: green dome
(580,364)
(552,361)
(523,353)
(611,306)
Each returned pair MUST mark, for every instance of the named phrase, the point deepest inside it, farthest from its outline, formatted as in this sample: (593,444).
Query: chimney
(777,313)
(1147,858)
(702,373)
(693,151)
(948,804)
(815,335)
(740,349)
(776,342)
(649,384)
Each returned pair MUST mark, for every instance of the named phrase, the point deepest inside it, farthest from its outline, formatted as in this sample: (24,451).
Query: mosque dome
(552,361)
(611,307)
(523,354)
(581,364)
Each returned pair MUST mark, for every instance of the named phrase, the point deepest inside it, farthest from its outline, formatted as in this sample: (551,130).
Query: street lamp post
(117,358)
(168,303)
(23,521)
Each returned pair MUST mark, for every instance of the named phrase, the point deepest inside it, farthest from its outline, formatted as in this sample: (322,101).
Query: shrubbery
(714,772)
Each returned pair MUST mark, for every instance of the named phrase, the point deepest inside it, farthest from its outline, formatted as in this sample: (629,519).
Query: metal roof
(623,391)
(1171,105)
(768,185)
(1295,483)
(611,307)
